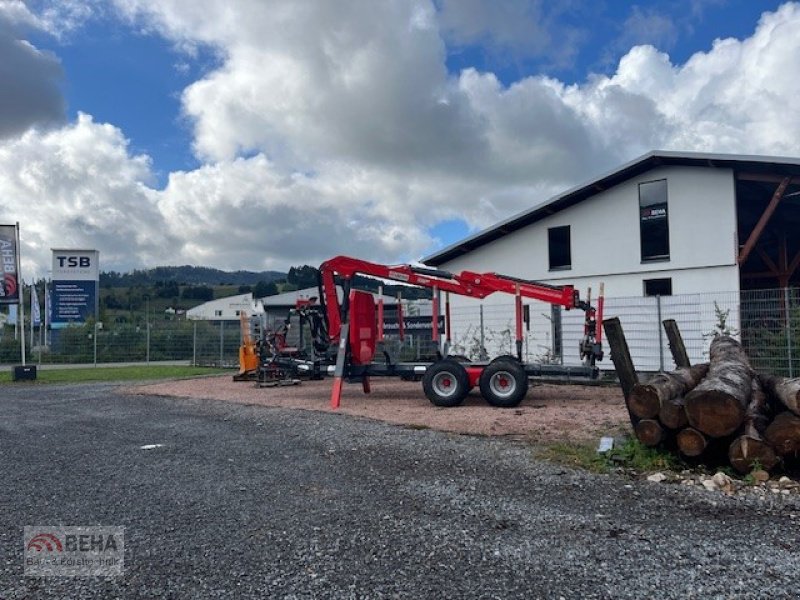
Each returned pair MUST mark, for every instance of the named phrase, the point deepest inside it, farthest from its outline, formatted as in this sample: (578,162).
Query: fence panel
(766,321)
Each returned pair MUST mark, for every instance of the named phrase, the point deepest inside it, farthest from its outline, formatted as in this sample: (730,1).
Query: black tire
(504,383)
(503,357)
(459,358)
(446,383)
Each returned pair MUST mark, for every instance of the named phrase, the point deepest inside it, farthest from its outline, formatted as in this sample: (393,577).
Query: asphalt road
(250,502)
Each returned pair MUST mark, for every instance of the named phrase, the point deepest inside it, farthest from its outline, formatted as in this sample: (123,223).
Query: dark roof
(772,165)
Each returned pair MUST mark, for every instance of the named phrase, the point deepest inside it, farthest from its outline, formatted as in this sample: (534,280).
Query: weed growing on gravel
(581,456)
(634,455)
(631,454)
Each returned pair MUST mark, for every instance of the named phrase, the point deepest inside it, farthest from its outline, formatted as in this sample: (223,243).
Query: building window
(658,287)
(238,312)
(653,220)
(558,244)
(217,313)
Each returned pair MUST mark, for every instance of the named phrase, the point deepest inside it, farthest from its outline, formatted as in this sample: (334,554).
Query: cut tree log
(717,406)
(646,399)
(749,450)
(691,442)
(785,390)
(676,345)
(649,432)
(673,414)
(784,434)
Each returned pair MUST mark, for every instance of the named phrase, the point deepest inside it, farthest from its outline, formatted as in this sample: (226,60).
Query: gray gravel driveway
(254,502)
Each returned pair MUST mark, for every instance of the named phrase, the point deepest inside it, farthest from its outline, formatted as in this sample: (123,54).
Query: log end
(649,432)
(691,442)
(672,414)
(714,413)
(643,401)
(784,434)
(747,452)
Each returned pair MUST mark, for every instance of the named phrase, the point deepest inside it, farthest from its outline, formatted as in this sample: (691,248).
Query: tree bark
(785,390)
(784,434)
(749,449)
(676,345)
(649,432)
(691,442)
(717,406)
(646,399)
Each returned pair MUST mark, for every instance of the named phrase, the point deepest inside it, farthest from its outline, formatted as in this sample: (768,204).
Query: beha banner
(76,274)
(9,286)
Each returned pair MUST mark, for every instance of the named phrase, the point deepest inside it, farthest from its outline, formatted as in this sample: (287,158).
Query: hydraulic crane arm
(466,283)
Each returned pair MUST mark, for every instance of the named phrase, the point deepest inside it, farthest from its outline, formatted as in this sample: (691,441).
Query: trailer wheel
(504,383)
(504,357)
(446,383)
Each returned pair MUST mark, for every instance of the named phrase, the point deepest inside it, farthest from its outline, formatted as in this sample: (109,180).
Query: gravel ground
(548,413)
(254,502)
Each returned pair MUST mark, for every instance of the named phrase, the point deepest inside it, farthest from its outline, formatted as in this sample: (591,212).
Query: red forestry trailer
(354,326)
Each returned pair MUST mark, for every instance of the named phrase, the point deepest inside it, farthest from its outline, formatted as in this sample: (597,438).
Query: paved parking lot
(242,501)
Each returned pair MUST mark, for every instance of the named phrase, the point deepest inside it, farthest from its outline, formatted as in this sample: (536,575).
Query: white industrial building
(225,309)
(686,228)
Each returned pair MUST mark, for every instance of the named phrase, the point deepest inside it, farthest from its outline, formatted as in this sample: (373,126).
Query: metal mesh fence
(766,321)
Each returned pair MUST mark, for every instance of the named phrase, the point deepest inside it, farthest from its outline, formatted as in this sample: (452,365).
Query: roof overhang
(755,166)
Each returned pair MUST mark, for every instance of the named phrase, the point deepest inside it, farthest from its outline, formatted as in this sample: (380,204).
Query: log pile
(722,410)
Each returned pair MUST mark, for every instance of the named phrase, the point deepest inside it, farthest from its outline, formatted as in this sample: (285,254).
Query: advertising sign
(76,276)
(412,324)
(9,285)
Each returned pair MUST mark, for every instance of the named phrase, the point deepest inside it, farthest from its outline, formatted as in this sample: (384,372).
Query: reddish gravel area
(548,413)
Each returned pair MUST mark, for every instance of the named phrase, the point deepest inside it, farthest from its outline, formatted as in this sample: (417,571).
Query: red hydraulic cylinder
(447,317)
(600,302)
(435,333)
(380,314)
(400,327)
(518,314)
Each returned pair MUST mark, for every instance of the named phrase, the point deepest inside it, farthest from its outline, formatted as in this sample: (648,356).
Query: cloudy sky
(260,134)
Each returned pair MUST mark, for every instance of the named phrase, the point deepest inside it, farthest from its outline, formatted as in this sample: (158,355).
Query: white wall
(606,248)
(605,242)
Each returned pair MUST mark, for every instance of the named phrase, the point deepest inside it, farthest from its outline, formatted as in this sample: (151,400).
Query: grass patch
(134,373)
(631,454)
(580,456)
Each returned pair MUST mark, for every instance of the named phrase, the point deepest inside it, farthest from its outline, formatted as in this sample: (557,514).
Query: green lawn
(137,373)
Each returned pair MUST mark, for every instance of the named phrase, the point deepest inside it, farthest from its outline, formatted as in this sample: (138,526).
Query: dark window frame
(553,249)
(655,282)
(652,250)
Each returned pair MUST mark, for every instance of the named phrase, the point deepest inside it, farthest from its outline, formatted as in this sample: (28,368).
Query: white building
(668,224)
(225,309)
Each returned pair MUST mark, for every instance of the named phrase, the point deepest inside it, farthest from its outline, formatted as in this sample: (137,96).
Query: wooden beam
(762,222)
(765,177)
(793,265)
(760,275)
(768,261)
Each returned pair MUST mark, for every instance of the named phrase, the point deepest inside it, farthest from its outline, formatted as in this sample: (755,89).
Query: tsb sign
(76,265)
(84,262)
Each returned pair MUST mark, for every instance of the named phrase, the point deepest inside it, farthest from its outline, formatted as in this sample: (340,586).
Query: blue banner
(73,302)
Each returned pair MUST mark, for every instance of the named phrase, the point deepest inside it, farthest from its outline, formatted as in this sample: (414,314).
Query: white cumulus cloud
(330,128)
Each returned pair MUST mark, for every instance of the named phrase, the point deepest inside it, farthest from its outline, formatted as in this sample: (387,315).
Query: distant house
(225,309)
